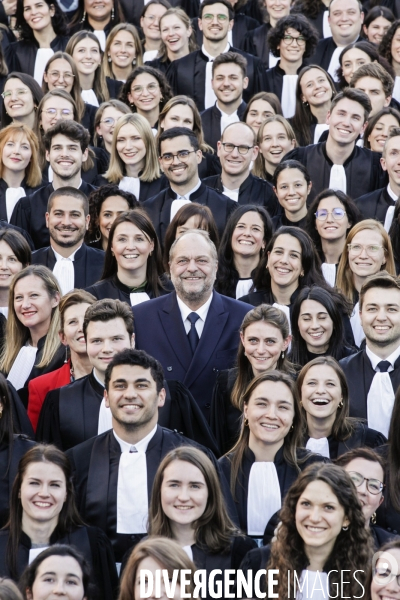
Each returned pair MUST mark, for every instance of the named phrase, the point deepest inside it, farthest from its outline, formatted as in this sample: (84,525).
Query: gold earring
(341,404)
(373,518)
(246,422)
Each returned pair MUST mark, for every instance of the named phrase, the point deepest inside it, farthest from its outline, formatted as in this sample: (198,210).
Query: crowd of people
(199,299)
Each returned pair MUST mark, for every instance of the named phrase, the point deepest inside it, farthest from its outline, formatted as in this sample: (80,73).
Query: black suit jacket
(159,208)
(187,76)
(375,204)
(211,121)
(88,264)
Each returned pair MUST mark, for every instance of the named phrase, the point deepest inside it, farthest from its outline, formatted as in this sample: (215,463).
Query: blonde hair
(99,83)
(259,163)
(117,104)
(182,16)
(117,169)
(17,335)
(33,174)
(344,279)
(105,64)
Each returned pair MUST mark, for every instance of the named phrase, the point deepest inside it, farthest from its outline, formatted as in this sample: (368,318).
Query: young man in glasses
(192,74)
(376,204)
(236,181)
(180,157)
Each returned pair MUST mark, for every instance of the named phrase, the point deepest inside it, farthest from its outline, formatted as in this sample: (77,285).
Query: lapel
(50,258)
(171,322)
(96,508)
(165,212)
(3,205)
(154,455)
(368,374)
(80,267)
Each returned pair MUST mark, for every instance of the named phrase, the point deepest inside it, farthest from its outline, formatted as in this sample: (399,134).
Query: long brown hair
(138,61)
(214,529)
(99,83)
(197,124)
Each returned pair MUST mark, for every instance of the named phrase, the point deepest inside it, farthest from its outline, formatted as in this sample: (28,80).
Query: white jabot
(132,497)
(50,174)
(285,309)
(101,36)
(4,311)
(12,197)
(380,399)
(34,552)
(176,205)
(150,55)
(329,273)
(288,99)
(68,6)
(396,89)
(130,184)
(272,60)
(189,551)
(202,312)
(326,28)
(138,298)
(232,194)
(319,446)
(105,418)
(227,119)
(243,287)
(43,56)
(209,96)
(89,97)
(391,193)
(337,180)
(335,64)
(314,586)
(64,271)
(264,496)
(355,322)
(22,366)
(319,130)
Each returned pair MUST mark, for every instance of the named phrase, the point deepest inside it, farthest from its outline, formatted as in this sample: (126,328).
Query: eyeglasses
(110,121)
(337,213)
(358,248)
(209,18)
(383,576)
(374,486)
(152,18)
(168,157)
(65,113)
(138,90)
(55,75)
(19,92)
(241,149)
(289,39)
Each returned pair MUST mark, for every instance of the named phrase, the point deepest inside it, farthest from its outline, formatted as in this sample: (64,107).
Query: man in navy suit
(194,331)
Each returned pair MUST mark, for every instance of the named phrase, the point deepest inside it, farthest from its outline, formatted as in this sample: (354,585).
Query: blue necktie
(193,335)
(383,366)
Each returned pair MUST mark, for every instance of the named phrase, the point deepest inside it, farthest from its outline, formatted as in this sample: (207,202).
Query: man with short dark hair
(376,82)
(339,163)
(67,144)
(73,263)
(180,157)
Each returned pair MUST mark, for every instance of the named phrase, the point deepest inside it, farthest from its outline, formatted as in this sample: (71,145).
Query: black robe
(8,470)
(225,419)
(133,10)
(21,56)
(88,119)
(21,421)
(160,65)
(275,80)
(89,541)
(318,21)
(147,190)
(359,374)
(159,208)
(88,264)
(363,169)
(113,288)
(242,24)
(211,121)
(5,225)
(323,53)
(282,221)
(299,136)
(255,43)
(29,213)
(386,515)
(361,437)
(187,76)
(209,165)
(4,188)
(375,204)
(253,190)
(287,474)
(95,465)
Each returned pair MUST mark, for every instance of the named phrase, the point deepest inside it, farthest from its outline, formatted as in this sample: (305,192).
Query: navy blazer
(160,332)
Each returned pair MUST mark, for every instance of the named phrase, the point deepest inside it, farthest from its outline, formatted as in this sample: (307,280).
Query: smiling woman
(275,138)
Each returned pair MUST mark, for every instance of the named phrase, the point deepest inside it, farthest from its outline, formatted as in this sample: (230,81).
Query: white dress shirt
(380,399)
(64,271)
(202,312)
(232,194)
(390,211)
(209,96)
(227,119)
(182,200)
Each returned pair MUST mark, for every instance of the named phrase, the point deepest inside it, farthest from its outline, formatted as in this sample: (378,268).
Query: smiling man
(73,263)
(339,163)
(66,146)
(373,374)
(70,415)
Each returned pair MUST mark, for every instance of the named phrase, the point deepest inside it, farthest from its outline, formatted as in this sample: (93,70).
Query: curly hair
(352,548)
(300,24)
(58,21)
(385,47)
(96,199)
(166,92)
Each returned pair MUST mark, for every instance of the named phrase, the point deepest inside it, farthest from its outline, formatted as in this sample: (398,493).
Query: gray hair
(204,234)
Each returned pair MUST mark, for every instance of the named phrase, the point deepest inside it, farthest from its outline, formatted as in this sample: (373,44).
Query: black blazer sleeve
(48,428)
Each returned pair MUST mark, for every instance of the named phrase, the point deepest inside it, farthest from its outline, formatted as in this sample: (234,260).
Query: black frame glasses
(359,480)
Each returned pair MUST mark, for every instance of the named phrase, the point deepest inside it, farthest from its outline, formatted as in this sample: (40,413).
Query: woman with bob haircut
(29,94)
(207,533)
(292,185)
(354,56)
(331,215)
(38,39)
(379,126)
(139,175)
(260,107)
(67,566)
(315,90)
(189,216)
(29,528)
(33,346)
(15,255)
(264,340)
(296,552)
(382,574)
(153,554)
(317,326)
(275,133)
(237,262)
(265,461)
(118,65)
(19,170)
(132,280)
(328,429)
(175,22)
(146,92)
